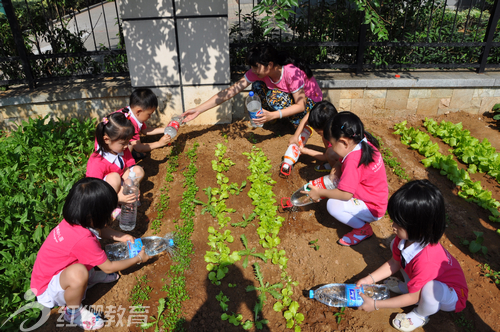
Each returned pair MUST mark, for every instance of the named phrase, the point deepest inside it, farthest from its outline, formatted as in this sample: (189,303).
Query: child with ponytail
(361,195)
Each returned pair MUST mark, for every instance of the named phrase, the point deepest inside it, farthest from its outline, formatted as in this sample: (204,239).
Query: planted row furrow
(469,190)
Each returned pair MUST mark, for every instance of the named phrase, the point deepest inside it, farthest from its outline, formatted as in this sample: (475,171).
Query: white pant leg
(353,213)
(436,296)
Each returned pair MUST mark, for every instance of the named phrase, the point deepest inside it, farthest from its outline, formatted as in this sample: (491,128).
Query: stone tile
(483,92)
(428,106)
(405,112)
(384,113)
(375,94)
(11,124)
(444,102)
(476,102)
(412,104)
(397,99)
(447,110)
(420,93)
(194,96)
(344,105)
(352,94)
(471,110)
(358,105)
(332,95)
(461,98)
(441,93)
(487,104)
(496,92)
(363,113)
(17,111)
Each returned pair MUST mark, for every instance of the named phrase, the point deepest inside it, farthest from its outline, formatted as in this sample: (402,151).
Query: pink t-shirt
(367,183)
(292,80)
(99,166)
(66,245)
(434,263)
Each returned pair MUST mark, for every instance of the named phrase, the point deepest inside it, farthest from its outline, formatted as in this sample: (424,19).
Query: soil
(331,263)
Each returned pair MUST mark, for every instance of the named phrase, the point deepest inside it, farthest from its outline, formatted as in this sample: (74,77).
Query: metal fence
(50,40)
(421,34)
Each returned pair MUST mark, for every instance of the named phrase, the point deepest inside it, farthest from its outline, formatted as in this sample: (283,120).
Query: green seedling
(476,245)
(490,273)
(222,301)
(252,138)
(245,221)
(234,319)
(140,292)
(264,288)
(161,308)
(277,257)
(314,244)
(230,285)
(207,207)
(339,315)
(461,321)
(249,252)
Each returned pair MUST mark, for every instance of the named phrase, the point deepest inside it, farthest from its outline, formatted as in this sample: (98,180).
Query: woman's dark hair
(116,126)
(349,125)
(144,98)
(90,203)
(264,53)
(320,114)
(418,207)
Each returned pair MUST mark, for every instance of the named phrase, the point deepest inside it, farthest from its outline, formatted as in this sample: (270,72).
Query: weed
(339,315)
(140,292)
(476,245)
(313,244)
(252,138)
(490,273)
(461,321)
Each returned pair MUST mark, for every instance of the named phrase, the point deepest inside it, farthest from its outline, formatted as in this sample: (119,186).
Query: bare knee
(74,276)
(114,180)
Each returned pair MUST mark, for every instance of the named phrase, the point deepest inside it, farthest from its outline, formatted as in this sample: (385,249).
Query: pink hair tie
(105,120)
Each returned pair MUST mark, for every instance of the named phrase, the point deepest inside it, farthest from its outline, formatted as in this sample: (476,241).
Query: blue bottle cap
(251,93)
(311,294)
(171,242)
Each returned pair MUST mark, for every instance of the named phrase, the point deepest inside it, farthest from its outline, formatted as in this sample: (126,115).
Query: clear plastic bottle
(153,246)
(300,199)
(254,108)
(347,295)
(173,126)
(128,216)
(292,154)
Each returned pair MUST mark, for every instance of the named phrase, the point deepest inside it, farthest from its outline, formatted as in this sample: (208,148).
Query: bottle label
(253,115)
(304,136)
(292,153)
(353,299)
(134,248)
(174,124)
(319,182)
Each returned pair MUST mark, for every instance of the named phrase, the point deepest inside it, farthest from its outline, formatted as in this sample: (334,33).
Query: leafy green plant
(140,292)
(234,319)
(496,110)
(245,221)
(249,252)
(339,314)
(161,308)
(477,244)
(264,288)
(222,300)
(313,244)
(461,321)
(392,161)
(490,273)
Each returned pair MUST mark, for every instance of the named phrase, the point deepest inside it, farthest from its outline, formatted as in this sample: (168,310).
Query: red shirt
(434,262)
(99,166)
(66,245)
(366,183)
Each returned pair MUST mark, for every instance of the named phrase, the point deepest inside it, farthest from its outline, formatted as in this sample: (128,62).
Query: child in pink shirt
(143,103)
(64,266)
(361,195)
(433,278)
(112,159)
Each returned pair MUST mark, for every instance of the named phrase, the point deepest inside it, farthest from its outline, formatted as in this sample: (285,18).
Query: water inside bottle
(116,252)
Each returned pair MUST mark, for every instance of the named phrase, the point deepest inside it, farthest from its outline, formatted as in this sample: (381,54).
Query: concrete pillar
(179,49)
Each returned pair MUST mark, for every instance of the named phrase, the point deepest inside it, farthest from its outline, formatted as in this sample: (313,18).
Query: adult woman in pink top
(286,86)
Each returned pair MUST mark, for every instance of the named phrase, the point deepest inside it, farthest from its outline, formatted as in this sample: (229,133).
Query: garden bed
(307,265)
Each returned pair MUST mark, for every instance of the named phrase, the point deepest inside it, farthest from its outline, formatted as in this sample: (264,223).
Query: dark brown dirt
(331,263)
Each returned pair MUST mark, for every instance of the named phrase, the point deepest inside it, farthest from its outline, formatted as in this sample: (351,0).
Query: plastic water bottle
(300,199)
(153,246)
(173,126)
(254,108)
(292,154)
(128,216)
(347,295)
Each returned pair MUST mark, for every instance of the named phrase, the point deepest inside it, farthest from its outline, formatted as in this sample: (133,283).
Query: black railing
(422,34)
(45,42)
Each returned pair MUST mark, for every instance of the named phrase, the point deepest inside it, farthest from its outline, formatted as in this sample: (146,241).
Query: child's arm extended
(146,147)
(295,138)
(316,193)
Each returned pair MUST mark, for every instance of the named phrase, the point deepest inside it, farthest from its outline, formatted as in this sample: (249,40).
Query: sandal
(402,323)
(326,168)
(396,286)
(99,277)
(116,213)
(356,235)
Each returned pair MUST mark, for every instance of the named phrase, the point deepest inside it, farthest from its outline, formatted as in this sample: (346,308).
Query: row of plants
(41,160)
(468,189)
(175,288)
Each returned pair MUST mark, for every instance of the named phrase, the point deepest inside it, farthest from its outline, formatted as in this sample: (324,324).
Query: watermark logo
(29,296)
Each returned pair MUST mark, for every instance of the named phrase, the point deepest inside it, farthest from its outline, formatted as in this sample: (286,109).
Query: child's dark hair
(144,98)
(418,207)
(349,125)
(264,53)
(320,114)
(116,126)
(90,203)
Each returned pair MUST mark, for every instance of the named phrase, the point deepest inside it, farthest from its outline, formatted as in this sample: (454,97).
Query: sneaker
(356,235)
(84,319)
(99,277)
(116,213)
